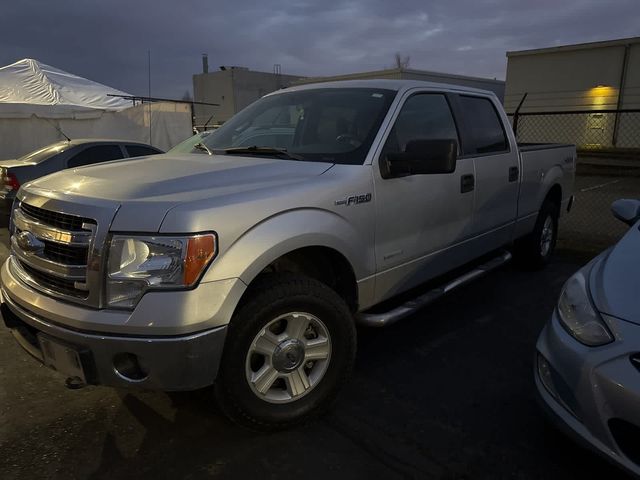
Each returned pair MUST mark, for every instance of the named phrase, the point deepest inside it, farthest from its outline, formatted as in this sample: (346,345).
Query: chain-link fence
(608,144)
(601,130)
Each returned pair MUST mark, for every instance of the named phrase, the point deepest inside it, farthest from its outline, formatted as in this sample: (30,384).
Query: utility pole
(149,95)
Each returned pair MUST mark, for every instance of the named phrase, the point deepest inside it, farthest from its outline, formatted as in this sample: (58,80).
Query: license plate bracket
(61,357)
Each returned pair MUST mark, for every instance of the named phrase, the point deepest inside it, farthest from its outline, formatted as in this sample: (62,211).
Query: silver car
(59,156)
(588,355)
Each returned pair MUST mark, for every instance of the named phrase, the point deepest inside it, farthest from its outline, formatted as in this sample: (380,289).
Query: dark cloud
(108,41)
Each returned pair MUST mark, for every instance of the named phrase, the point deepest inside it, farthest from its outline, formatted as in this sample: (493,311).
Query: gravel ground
(447,393)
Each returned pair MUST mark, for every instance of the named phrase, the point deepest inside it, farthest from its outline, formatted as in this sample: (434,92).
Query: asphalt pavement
(446,394)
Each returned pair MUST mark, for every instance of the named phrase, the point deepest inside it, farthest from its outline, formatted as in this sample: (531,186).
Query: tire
(269,352)
(534,251)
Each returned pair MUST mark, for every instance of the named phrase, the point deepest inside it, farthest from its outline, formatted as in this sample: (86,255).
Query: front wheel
(288,351)
(534,251)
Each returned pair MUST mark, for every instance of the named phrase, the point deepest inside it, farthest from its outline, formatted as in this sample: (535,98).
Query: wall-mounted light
(602,95)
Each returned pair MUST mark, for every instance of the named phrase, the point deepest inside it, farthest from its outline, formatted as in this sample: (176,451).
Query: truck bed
(543,165)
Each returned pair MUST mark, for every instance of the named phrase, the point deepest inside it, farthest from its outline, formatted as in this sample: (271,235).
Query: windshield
(45,152)
(334,125)
(188,145)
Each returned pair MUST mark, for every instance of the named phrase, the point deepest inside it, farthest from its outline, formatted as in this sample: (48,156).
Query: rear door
(486,142)
(420,218)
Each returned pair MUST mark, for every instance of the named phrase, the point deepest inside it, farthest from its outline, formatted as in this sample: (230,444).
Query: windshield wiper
(263,150)
(203,147)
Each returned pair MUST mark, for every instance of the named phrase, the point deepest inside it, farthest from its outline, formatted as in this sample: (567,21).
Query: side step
(407,308)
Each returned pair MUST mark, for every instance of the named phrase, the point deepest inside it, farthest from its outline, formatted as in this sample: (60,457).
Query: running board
(407,308)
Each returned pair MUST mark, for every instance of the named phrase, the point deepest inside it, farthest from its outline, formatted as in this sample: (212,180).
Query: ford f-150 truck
(248,263)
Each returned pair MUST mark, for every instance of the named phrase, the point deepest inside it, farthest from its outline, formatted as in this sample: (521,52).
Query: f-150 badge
(355,200)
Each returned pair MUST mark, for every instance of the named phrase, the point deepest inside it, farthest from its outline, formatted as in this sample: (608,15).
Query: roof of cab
(397,85)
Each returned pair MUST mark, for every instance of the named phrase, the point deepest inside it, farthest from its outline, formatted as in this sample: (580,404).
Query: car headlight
(138,264)
(578,316)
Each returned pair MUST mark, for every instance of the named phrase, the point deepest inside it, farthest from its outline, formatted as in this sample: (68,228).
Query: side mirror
(422,157)
(626,210)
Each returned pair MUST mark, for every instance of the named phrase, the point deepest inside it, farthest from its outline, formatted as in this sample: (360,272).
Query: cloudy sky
(107,41)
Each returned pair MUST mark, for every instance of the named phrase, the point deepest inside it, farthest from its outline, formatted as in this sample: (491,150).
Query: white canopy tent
(36,100)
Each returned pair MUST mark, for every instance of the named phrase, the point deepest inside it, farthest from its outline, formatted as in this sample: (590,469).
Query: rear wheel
(535,250)
(288,351)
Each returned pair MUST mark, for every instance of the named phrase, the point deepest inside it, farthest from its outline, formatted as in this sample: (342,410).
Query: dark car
(58,156)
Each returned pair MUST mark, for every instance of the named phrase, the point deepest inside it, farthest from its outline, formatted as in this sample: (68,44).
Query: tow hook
(74,383)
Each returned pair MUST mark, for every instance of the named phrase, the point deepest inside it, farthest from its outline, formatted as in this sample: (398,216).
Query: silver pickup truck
(247,263)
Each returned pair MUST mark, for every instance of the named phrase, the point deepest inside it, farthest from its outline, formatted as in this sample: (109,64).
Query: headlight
(138,264)
(578,315)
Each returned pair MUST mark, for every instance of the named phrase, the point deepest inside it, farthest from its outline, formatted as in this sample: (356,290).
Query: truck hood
(615,279)
(148,187)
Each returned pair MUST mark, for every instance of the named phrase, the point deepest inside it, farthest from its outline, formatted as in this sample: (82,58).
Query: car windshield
(189,145)
(44,153)
(334,125)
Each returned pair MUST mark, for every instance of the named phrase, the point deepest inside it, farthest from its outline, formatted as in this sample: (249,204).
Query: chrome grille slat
(55,219)
(52,285)
(56,260)
(47,232)
(76,273)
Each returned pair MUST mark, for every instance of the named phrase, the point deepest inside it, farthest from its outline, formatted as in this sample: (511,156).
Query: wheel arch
(312,242)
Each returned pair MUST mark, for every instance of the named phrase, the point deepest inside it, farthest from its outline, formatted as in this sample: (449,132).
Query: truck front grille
(51,250)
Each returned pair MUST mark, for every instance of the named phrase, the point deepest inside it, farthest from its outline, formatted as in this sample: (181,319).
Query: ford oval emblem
(28,242)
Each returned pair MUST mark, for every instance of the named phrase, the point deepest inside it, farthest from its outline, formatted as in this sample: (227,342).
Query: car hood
(148,187)
(615,279)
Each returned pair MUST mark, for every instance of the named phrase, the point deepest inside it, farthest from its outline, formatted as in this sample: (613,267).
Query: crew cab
(247,263)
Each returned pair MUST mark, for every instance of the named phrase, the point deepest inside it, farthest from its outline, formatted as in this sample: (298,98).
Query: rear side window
(97,154)
(485,133)
(140,150)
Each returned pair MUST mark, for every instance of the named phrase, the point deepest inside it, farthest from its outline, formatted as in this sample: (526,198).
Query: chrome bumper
(170,363)
(176,338)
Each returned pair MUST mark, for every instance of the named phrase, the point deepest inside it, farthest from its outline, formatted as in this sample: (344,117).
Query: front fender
(285,232)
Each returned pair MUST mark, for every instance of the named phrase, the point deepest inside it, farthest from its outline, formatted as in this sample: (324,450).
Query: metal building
(586,91)
(233,88)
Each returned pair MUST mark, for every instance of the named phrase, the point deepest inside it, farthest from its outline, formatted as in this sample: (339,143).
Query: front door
(420,217)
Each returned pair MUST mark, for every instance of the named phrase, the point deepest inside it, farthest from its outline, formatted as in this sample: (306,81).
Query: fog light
(128,367)
(556,386)
(545,374)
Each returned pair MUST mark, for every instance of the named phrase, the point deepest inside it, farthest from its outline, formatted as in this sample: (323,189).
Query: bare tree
(402,62)
(187,96)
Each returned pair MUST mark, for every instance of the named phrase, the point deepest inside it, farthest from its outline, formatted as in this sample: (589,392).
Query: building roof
(393,71)
(577,46)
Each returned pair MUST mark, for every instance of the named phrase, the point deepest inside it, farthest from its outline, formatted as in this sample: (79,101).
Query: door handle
(467,183)
(513,174)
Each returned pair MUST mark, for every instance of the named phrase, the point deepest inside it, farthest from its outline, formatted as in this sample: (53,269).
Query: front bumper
(593,390)
(176,337)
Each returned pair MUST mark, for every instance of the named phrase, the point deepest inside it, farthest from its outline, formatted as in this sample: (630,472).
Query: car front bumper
(591,392)
(174,338)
